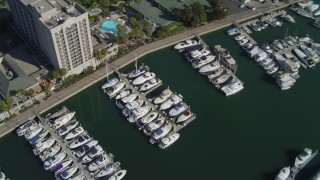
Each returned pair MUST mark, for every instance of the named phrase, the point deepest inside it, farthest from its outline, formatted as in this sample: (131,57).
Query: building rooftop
(170,5)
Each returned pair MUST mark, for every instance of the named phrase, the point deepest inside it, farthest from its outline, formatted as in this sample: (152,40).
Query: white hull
(74,133)
(81,140)
(118,175)
(115,89)
(161,132)
(110,83)
(107,170)
(143,78)
(184,116)
(167,141)
(173,100)
(50,163)
(166,94)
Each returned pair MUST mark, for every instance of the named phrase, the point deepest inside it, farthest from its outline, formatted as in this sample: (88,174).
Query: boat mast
(136,63)
(107,72)
(286,33)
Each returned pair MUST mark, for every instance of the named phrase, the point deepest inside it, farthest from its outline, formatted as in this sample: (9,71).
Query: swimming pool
(108,26)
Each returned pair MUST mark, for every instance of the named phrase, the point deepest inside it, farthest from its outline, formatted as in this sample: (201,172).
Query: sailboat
(138,71)
(109,82)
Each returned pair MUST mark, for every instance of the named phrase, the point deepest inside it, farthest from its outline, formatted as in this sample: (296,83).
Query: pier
(242,31)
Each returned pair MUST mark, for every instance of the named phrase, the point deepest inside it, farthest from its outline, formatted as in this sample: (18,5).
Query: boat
(292,58)
(198,53)
(290,41)
(118,175)
(30,134)
(2,176)
(187,114)
(138,71)
(103,160)
(30,129)
(131,106)
(54,160)
(107,170)
(50,152)
(243,41)
(283,174)
(25,127)
(110,83)
(215,73)
(78,176)
(62,166)
(203,60)
(74,133)
(82,150)
(304,13)
(311,53)
(288,18)
(285,81)
(273,70)
(233,31)
(164,95)
(41,146)
(317,23)
(303,157)
(123,94)
(57,113)
(39,137)
(115,89)
(138,113)
(173,100)
(81,140)
(92,154)
(233,87)
(313,7)
(150,84)
(167,141)
(225,57)
(153,125)
(131,97)
(177,109)
(278,44)
(161,132)
(255,26)
(64,119)
(185,44)
(260,56)
(305,4)
(239,37)
(66,174)
(286,64)
(221,79)
(67,128)
(143,78)
(206,69)
(147,118)
(304,58)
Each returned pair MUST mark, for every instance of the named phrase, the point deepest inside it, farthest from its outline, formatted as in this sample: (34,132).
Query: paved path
(125,60)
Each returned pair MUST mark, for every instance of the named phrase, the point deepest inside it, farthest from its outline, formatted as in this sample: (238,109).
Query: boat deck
(244,32)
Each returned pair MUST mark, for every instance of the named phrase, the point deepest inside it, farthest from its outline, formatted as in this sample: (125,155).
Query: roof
(170,5)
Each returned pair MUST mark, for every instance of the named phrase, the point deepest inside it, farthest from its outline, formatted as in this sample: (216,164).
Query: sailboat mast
(136,63)
(107,72)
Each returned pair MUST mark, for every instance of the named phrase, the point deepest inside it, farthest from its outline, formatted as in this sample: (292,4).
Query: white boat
(304,13)
(107,170)
(148,118)
(66,174)
(283,174)
(166,94)
(74,133)
(2,176)
(311,53)
(278,44)
(30,134)
(67,128)
(317,13)
(26,126)
(138,71)
(103,160)
(57,123)
(118,175)
(215,73)
(285,81)
(62,166)
(239,37)
(286,64)
(273,70)
(161,132)
(260,56)
(206,69)
(243,41)
(81,140)
(317,23)
(131,97)
(41,146)
(177,109)
(54,160)
(197,53)
(82,150)
(123,94)
(115,89)
(288,18)
(304,58)
(233,87)
(167,141)
(50,152)
(303,157)
(39,137)
(184,116)
(203,60)
(155,124)
(233,31)
(173,100)
(313,7)
(93,153)
(221,79)
(138,113)
(185,44)
(150,84)
(143,78)
(110,83)
(78,176)
(292,58)
(131,106)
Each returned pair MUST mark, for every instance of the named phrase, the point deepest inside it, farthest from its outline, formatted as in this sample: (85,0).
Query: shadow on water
(270,175)
(291,154)
(308,172)
(267,78)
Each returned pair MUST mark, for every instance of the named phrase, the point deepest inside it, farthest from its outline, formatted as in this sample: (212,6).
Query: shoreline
(100,74)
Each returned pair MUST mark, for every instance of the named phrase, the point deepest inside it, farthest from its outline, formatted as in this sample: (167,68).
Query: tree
(30,93)
(122,34)
(56,75)
(133,21)
(103,52)
(21,93)
(47,88)
(63,72)
(105,13)
(104,3)
(95,5)
(7,104)
(139,2)
(148,28)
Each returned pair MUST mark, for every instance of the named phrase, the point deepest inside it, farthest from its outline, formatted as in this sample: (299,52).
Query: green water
(251,135)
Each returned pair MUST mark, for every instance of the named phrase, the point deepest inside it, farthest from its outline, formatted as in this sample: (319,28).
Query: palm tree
(30,93)
(21,93)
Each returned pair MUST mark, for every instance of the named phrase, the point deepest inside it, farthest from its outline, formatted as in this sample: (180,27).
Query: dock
(241,28)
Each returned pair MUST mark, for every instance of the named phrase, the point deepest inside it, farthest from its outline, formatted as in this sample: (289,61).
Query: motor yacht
(62,120)
(82,150)
(313,7)
(167,141)
(260,56)
(50,152)
(118,175)
(153,125)
(62,166)
(74,133)
(304,13)
(147,119)
(78,176)
(143,78)
(316,13)
(292,58)
(317,23)
(81,140)
(164,95)
(177,109)
(221,79)
(239,37)
(54,160)
(138,113)
(187,114)
(67,128)
(203,60)
(161,132)
(274,48)
(303,157)
(131,97)
(233,87)
(278,44)
(30,134)
(107,170)
(285,81)
(215,73)
(288,18)
(131,106)
(173,100)
(123,94)
(265,62)
(311,53)
(69,172)
(233,31)
(41,146)
(283,174)
(273,70)
(2,176)
(103,160)
(92,154)
(185,44)
(290,41)
(255,26)
(115,89)
(286,64)
(110,83)
(207,69)
(138,72)
(267,48)
(268,66)
(198,53)
(304,58)
(25,127)
(39,137)
(243,41)
(150,84)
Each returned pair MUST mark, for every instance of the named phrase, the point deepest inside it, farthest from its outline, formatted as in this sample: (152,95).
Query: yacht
(288,18)
(260,56)
(215,73)
(274,48)
(185,44)
(167,141)
(166,94)
(41,146)
(82,150)
(317,23)
(50,152)
(110,83)
(313,7)
(74,133)
(206,69)
(62,166)
(187,114)
(2,176)
(138,113)
(147,118)
(304,13)
(39,137)
(221,79)
(54,160)
(278,44)
(316,13)
(115,89)
(311,53)
(239,37)
(67,128)
(283,174)
(107,170)
(273,70)
(303,157)
(103,160)
(118,175)
(292,58)
(161,132)
(29,129)
(285,81)
(243,41)
(233,31)
(30,134)
(92,154)
(267,63)
(290,41)
(267,48)
(197,53)
(286,64)
(233,87)
(143,78)
(63,120)
(25,127)
(123,94)
(304,58)
(153,125)
(150,84)
(177,109)
(138,72)
(81,140)
(78,176)
(66,174)
(131,106)
(203,60)
(173,100)
(131,97)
